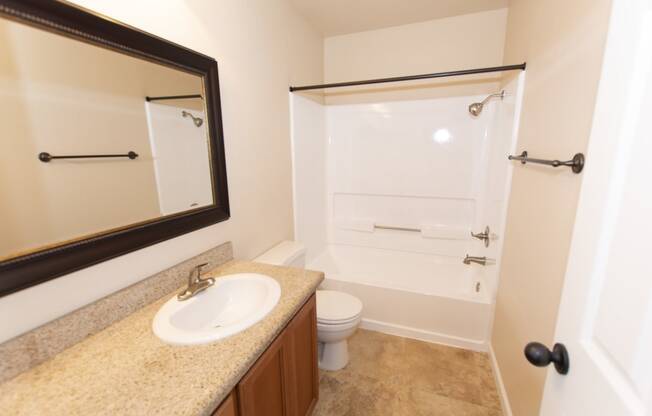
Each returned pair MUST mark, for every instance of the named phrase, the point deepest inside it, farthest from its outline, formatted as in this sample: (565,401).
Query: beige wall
(261,47)
(563,44)
(460,42)
(67,97)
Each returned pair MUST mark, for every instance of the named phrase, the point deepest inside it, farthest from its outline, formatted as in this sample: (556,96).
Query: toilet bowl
(338,313)
(338,316)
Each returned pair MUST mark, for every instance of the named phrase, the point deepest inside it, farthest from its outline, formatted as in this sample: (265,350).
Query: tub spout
(479,260)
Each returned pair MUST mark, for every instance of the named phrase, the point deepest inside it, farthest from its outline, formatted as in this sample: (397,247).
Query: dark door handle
(539,355)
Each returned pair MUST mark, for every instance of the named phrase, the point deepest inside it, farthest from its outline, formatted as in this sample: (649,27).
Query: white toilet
(338,313)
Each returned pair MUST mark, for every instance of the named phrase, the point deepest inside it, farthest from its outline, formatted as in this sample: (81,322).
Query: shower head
(476,108)
(197,120)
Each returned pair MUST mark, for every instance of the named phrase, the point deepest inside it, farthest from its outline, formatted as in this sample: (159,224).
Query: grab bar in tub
(389,227)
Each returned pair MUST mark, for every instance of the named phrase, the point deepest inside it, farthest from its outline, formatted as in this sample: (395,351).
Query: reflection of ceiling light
(380,108)
(441,136)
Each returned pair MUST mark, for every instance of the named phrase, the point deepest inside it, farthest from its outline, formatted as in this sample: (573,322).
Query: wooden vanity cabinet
(285,379)
(229,406)
(301,344)
(265,389)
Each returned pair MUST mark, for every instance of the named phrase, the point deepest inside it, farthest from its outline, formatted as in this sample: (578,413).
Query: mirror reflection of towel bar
(46,157)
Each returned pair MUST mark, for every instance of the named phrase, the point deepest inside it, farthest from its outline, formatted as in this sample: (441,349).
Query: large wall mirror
(111,140)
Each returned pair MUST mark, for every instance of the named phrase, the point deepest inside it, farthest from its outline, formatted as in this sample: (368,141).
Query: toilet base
(333,356)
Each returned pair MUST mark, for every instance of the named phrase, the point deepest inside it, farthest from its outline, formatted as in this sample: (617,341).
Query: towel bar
(576,163)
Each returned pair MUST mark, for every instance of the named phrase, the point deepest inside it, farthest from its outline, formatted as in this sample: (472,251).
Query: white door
(605,317)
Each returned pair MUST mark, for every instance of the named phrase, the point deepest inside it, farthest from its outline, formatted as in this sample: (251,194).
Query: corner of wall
(498,379)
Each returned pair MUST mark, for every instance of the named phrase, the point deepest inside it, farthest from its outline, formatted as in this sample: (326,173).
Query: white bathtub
(422,296)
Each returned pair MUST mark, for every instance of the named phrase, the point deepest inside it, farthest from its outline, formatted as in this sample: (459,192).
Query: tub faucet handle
(485,236)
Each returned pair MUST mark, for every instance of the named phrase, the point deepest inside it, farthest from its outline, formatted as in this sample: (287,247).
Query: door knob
(539,355)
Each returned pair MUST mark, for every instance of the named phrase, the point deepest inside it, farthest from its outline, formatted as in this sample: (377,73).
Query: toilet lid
(333,306)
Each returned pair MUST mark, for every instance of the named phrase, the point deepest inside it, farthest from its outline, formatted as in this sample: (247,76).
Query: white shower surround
(411,164)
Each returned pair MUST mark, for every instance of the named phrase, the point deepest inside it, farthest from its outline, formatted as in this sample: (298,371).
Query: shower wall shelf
(46,157)
(576,163)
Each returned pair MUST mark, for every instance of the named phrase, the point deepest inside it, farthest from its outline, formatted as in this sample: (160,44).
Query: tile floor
(396,376)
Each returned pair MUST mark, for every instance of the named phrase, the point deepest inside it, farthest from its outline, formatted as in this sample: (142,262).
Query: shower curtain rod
(173,97)
(412,77)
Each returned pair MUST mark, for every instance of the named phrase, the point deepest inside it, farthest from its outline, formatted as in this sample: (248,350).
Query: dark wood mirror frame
(31,269)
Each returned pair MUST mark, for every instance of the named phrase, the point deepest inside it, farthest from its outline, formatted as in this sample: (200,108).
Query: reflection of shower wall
(180,156)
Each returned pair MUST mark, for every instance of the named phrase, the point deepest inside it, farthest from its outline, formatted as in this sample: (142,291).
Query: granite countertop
(126,369)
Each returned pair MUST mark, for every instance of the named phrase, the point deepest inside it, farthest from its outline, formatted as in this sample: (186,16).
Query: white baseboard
(502,393)
(422,335)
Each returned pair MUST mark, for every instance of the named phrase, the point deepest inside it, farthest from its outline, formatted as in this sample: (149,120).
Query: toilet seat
(339,326)
(342,322)
(337,308)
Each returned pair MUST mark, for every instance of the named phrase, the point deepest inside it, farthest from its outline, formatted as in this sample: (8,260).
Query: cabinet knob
(539,355)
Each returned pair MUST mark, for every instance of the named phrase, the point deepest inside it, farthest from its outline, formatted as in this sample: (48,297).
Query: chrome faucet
(472,259)
(195,283)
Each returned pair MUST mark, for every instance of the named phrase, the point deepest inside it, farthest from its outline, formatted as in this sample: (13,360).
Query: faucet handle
(195,273)
(485,236)
(195,283)
(199,279)
(199,267)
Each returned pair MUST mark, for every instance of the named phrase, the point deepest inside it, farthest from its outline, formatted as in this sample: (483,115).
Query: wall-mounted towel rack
(576,163)
(46,157)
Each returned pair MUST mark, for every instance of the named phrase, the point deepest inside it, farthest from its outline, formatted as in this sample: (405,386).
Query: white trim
(502,392)
(422,335)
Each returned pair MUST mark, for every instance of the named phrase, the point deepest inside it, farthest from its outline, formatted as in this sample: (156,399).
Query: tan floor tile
(390,375)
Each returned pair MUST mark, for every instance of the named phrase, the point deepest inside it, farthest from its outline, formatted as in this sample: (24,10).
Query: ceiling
(337,17)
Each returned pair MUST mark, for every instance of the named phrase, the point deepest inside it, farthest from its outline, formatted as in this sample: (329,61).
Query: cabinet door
(301,344)
(228,407)
(263,391)
(285,380)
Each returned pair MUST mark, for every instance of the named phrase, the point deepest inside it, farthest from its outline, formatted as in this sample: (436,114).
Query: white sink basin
(234,303)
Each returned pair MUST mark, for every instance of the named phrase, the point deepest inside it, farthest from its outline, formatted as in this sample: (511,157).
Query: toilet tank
(286,253)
